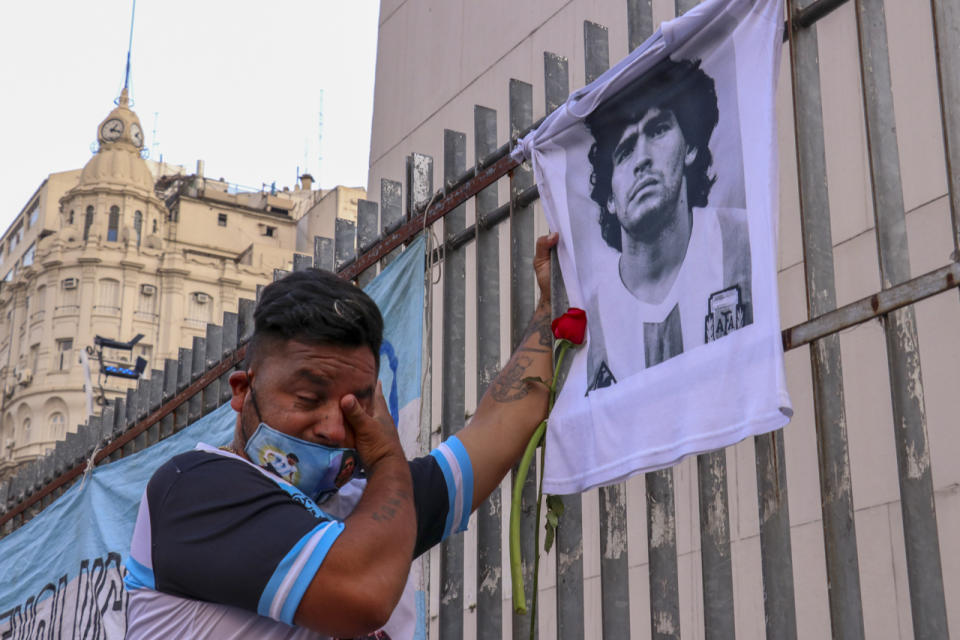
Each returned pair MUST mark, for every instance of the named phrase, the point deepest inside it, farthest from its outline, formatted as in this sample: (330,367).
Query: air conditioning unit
(147,290)
(201,298)
(9,444)
(24,376)
(70,283)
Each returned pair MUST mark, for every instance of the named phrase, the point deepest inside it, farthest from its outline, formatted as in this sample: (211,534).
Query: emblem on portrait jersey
(603,378)
(726,313)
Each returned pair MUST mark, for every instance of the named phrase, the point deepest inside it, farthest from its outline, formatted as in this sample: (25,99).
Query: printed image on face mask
(284,466)
(347,468)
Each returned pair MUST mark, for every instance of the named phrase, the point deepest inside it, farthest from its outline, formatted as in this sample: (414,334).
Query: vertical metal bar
(924,572)
(155,387)
(131,405)
(556,78)
(322,254)
(119,425)
(662,551)
(169,390)
(715,546)
(229,346)
(391,209)
(184,377)
(345,240)
(302,261)
(245,309)
(489,573)
(639,22)
(522,304)
(614,569)
(682,6)
(569,535)
(836,494)
(366,235)
(195,403)
(596,45)
(946,32)
(775,549)
(212,354)
(452,401)
(419,181)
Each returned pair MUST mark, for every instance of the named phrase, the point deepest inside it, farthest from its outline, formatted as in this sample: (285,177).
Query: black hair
(680,87)
(316,307)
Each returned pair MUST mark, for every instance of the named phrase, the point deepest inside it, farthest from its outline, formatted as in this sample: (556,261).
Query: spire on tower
(126,75)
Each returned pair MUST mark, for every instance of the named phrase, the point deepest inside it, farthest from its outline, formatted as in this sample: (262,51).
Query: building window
(113,223)
(70,217)
(58,425)
(34,357)
(64,353)
(138,225)
(199,307)
(147,302)
(154,225)
(222,219)
(26,429)
(29,254)
(109,295)
(87,223)
(15,236)
(269,231)
(33,215)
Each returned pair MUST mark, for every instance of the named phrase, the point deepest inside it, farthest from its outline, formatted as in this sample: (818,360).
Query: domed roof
(118,162)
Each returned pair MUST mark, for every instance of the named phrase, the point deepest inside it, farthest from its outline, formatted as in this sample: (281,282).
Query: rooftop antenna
(126,75)
(155,143)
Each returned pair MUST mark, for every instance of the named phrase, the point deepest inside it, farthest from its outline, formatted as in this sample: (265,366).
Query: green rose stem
(516,573)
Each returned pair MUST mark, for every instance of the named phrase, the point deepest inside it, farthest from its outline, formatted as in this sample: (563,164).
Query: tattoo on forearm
(510,384)
(387,512)
(539,325)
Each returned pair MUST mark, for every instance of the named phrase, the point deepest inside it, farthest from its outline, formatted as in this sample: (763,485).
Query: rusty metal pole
(836,490)
(924,571)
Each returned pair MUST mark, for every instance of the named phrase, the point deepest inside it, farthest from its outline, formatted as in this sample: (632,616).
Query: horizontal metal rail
(901,295)
(117,444)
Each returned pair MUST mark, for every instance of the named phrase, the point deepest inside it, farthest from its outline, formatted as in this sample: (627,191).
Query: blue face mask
(317,470)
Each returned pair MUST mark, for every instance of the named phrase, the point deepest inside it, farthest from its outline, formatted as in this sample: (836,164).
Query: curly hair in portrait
(680,87)
(316,307)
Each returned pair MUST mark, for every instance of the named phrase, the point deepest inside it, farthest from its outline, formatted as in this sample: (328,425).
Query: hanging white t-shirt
(701,366)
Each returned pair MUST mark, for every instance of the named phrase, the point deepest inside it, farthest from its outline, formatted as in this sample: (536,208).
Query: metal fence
(469,593)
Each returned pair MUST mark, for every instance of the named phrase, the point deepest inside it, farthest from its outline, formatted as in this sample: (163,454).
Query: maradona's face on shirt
(298,387)
(647,183)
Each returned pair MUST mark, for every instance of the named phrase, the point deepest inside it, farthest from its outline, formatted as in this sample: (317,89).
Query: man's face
(298,388)
(648,182)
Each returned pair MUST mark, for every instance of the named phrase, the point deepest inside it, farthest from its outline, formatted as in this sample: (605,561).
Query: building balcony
(66,310)
(146,316)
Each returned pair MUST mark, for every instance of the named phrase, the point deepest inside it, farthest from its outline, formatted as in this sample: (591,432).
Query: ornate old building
(127,247)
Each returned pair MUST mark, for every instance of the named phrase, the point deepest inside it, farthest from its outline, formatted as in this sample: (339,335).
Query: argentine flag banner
(61,574)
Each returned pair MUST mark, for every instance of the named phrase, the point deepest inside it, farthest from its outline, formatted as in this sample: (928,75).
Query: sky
(238,84)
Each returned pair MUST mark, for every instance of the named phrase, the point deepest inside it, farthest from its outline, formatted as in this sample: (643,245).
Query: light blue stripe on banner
(138,576)
(466,479)
(451,489)
(334,529)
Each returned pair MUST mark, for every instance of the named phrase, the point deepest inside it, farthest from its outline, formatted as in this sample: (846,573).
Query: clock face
(136,133)
(111,130)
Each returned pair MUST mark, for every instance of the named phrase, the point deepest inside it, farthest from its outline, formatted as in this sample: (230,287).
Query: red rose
(571,326)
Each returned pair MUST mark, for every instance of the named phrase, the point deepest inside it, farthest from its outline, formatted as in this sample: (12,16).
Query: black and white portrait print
(656,197)
(661,179)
